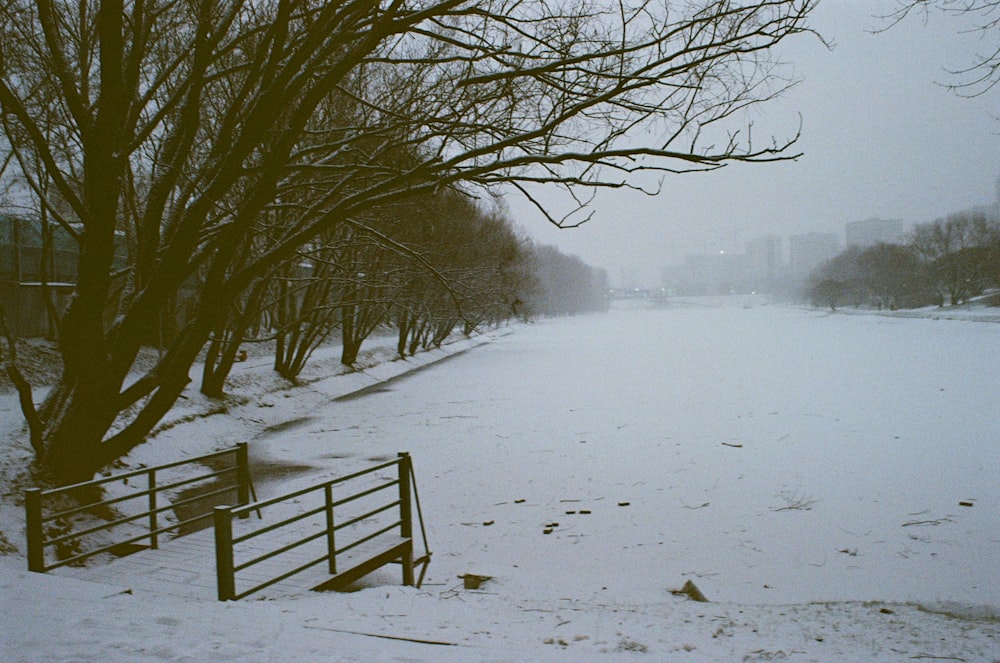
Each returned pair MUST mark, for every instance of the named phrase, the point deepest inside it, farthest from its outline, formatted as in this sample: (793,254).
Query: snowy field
(811,473)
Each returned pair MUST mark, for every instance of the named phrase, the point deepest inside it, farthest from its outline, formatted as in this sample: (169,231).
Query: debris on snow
(691,591)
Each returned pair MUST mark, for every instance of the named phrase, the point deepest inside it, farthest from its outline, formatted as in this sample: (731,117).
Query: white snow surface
(804,469)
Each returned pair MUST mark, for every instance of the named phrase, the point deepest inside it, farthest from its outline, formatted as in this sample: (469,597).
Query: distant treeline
(944,262)
(452,265)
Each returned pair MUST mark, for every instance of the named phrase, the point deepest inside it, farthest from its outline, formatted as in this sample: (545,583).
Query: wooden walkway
(181,567)
(185,567)
(285,552)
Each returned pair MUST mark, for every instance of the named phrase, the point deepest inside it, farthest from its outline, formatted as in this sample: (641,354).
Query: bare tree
(894,277)
(215,105)
(957,252)
(883,275)
(840,280)
(983,72)
(364,293)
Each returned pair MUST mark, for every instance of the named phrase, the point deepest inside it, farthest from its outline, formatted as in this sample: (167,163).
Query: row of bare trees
(452,265)
(223,139)
(946,261)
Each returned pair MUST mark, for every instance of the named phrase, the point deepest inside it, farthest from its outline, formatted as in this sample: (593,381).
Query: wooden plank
(180,567)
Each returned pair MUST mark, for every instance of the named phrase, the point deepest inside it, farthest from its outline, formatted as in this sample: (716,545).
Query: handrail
(247,508)
(124,498)
(37,515)
(136,473)
(226,541)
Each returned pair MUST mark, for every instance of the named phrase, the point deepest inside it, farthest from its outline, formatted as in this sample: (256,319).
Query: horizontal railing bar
(357,519)
(365,493)
(274,526)
(196,459)
(275,500)
(278,579)
(135,473)
(361,473)
(278,551)
(75,558)
(202,496)
(55,515)
(109,525)
(239,511)
(200,477)
(93,505)
(368,538)
(139,537)
(103,526)
(97,551)
(181,523)
(164,508)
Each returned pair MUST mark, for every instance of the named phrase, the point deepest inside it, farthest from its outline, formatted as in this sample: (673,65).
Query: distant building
(764,260)
(809,251)
(874,231)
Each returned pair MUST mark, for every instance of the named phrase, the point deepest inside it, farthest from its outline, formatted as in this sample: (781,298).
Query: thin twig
(384,636)
(936,521)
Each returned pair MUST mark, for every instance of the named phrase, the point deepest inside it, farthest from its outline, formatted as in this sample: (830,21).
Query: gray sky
(881,137)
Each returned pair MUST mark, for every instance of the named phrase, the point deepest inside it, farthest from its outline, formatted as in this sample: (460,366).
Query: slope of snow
(804,470)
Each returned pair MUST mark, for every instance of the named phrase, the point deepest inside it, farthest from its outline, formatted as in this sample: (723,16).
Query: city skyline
(881,137)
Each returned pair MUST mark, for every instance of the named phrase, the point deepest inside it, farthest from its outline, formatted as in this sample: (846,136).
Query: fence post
(153,525)
(243,476)
(331,543)
(225,575)
(35,531)
(406,516)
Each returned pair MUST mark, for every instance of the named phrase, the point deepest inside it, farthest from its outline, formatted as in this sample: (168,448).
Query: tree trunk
(219,360)
(85,405)
(404,322)
(350,341)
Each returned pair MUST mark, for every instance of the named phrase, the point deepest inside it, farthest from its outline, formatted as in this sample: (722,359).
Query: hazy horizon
(882,136)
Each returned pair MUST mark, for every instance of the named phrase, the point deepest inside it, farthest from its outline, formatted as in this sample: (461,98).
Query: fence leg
(406,516)
(243,476)
(331,543)
(33,524)
(154,540)
(225,575)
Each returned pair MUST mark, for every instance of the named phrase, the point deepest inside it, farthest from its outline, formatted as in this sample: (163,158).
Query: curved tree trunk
(219,360)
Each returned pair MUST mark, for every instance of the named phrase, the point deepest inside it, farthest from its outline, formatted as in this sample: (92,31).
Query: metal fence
(348,526)
(56,526)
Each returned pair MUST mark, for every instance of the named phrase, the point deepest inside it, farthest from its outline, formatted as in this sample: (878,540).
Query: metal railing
(360,515)
(43,512)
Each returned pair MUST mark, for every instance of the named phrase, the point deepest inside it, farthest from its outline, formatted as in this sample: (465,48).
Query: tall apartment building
(874,231)
(765,260)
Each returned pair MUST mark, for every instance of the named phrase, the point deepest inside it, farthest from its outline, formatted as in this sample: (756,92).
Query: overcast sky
(881,137)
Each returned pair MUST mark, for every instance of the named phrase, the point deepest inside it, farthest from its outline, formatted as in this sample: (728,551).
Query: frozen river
(775,457)
(768,454)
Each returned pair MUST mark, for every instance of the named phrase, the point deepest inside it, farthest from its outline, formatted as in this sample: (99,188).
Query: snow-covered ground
(805,470)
